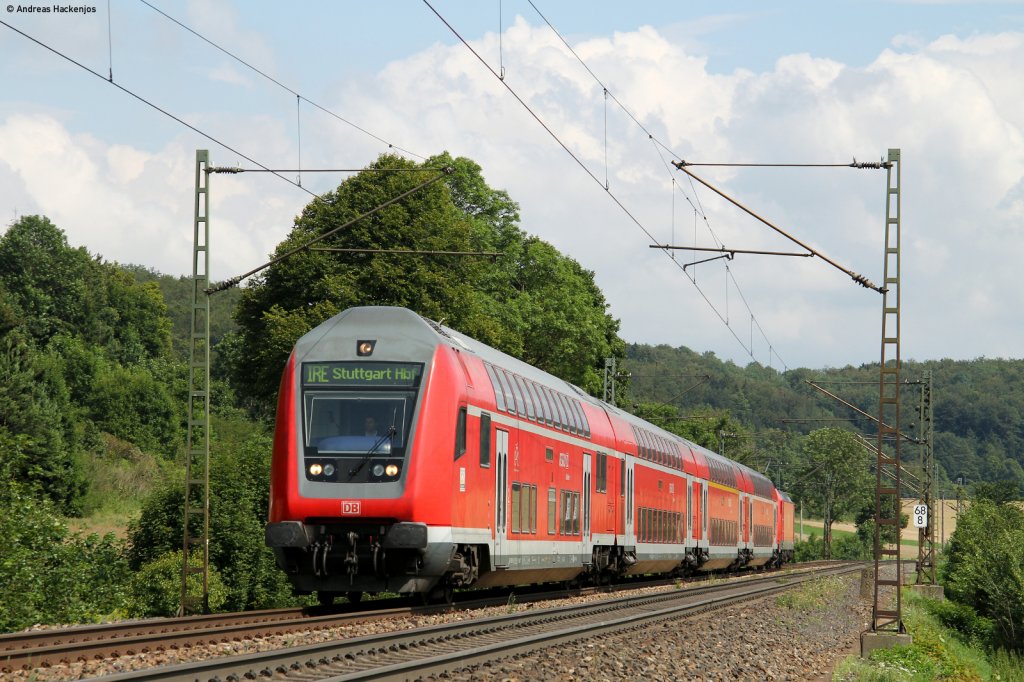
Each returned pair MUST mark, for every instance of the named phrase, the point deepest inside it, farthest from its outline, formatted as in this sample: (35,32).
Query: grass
(817,527)
(936,653)
(121,476)
(813,595)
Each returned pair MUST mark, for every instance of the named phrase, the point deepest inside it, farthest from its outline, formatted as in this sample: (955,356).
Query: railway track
(44,648)
(432,650)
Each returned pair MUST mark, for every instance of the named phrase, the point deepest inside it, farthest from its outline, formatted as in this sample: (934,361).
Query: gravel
(761,640)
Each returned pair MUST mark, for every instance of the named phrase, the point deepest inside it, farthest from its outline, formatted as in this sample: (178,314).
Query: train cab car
(358,499)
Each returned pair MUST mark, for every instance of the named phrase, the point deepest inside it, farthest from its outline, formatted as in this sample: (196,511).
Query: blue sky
(723,81)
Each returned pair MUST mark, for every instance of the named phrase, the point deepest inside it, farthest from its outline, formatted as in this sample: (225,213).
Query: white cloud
(953,106)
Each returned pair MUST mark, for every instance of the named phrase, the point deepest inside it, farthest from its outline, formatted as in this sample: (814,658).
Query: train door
(500,497)
(704,511)
(630,536)
(587,464)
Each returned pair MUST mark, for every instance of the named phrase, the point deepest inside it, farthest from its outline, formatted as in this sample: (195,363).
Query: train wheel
(326,598)
(442,594)
(354,597)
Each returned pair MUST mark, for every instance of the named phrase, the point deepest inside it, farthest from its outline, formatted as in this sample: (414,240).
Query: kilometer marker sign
(920,515)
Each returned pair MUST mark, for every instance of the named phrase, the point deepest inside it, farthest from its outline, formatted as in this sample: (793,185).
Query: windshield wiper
(369,453)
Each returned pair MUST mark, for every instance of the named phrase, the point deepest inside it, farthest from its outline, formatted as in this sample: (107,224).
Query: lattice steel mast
(926,535)
(889,617)
(196,526)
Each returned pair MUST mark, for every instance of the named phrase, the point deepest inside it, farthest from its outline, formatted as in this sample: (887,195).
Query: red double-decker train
(411,458)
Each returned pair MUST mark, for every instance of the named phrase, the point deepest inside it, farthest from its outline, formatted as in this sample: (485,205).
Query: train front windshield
(358,407)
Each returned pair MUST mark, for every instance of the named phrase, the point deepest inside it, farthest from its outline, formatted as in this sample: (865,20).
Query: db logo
(351,507)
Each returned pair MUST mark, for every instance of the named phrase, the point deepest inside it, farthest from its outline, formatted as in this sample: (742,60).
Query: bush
(975,629)
(239,494)
(47,576)
(811,549)
(156,588)
(984,568)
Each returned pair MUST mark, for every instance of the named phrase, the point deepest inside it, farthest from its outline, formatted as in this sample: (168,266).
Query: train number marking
(351,507)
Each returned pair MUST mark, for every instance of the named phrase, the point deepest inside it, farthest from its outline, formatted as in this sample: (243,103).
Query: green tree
(531,302)
(36,415)
(833,477)
(985,567)
(59,289)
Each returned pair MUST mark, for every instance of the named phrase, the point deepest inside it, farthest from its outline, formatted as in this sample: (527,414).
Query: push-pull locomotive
(413,459)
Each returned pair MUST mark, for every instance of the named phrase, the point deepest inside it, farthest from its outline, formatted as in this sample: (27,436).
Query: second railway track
(414,653)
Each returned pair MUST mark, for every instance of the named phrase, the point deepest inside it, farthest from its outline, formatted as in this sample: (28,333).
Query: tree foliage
(833,477)
(529,301)
(80,350)
(46,574)
(978,405)
(985,567)
(239,496)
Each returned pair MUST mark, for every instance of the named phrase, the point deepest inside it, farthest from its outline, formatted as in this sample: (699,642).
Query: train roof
(421,331)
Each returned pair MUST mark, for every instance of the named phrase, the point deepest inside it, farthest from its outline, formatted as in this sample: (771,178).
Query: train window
(521,385)
(622,477)
(575,513)
(574,410)
(563,512)
(602,472)
(357,421)
(460,433)
(499,394)
(552,511)
(570,418)
(537,401)
(485,440)
(645,449)
(560,420)
(510,400)
(533,509)
(549,455)
(689,506)
(520,400)
(515,507)
(545,401)
(577,412)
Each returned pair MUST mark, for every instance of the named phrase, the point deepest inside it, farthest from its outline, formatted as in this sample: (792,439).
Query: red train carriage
(410,458)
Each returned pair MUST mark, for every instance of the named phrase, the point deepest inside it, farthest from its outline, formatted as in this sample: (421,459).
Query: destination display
(362,374)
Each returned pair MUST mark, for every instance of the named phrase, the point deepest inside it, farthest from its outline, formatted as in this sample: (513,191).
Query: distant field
(943,530)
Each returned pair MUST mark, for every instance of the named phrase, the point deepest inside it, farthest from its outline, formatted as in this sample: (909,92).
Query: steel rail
(404,653)
(41,648)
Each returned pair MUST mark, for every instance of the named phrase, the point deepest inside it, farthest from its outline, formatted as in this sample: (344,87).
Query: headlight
(391,470)
(328,470)
(316,469)
(378,470)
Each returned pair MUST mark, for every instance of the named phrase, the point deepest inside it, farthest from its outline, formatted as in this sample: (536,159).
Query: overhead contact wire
(228,283)
(540,121)
(277,82)
(154,106)
(580,163)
